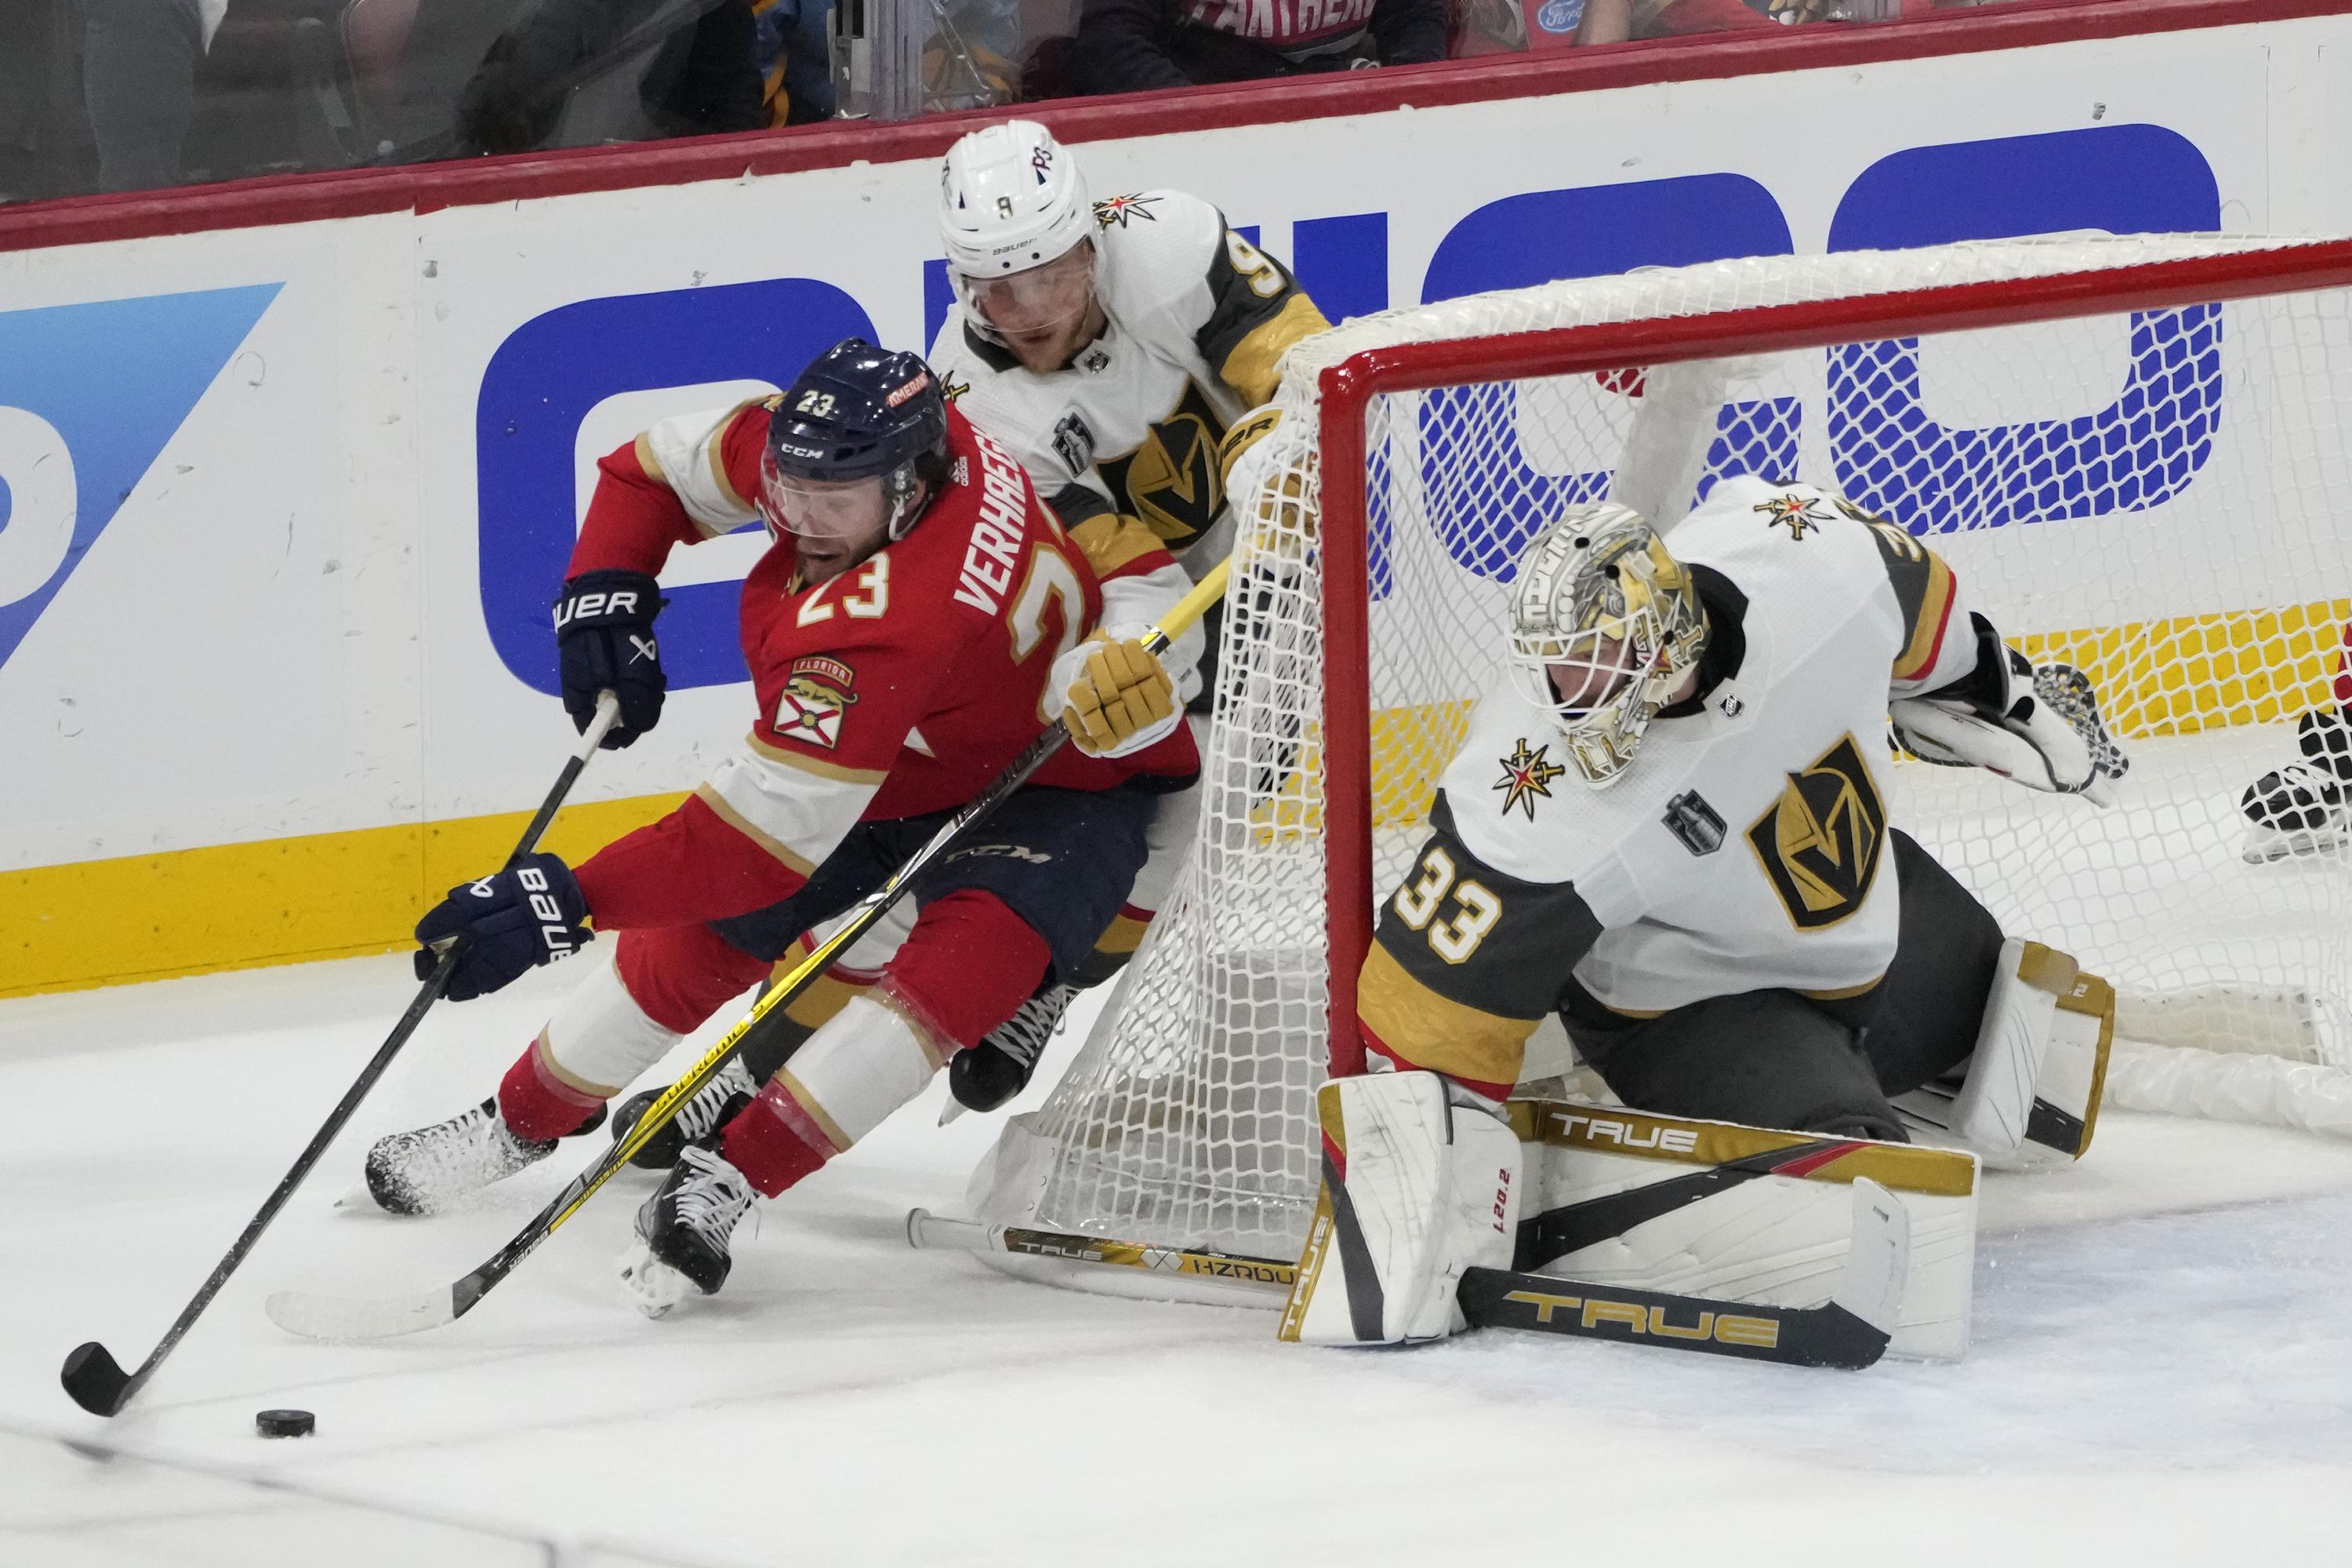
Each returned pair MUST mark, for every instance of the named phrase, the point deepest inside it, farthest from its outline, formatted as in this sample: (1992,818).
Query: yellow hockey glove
(1117,698)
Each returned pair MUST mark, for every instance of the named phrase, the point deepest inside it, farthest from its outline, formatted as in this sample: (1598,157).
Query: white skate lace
(713,1199)
(1023,1036)
(709,1107)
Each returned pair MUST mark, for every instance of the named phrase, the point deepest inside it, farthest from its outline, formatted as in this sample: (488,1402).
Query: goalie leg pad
(1619,1197)
(2030,1095)
(1415,1190)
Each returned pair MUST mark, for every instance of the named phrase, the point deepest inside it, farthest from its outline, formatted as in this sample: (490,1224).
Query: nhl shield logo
(1698,825)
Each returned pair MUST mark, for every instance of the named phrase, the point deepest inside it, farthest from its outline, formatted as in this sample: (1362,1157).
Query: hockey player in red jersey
(917,622)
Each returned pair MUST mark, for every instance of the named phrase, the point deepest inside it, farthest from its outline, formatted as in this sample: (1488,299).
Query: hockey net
(2135,451)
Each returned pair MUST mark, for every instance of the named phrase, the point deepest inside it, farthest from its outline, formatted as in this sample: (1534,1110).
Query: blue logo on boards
(1560,16)
(542,384)
(89,396)
(1885,446)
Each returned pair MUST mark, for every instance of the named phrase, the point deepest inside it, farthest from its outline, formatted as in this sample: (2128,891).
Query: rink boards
(286,505)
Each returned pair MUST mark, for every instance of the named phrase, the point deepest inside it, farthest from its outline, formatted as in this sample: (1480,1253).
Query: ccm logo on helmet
(620,602)
(1604,1129)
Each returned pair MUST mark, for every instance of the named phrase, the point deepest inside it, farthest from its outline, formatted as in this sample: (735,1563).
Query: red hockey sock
(775,1142)
(537,1105)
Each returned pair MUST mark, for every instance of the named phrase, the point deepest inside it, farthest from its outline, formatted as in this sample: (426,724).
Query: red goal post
(1350,387)
(2136,450)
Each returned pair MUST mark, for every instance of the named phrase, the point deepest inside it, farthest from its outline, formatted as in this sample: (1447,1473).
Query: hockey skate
(2300,810)
(999,1067)
(683,1231)
(730,1091)
(434,1168)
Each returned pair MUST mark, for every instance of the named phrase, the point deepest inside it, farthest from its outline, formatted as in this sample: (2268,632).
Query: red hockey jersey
(902,686)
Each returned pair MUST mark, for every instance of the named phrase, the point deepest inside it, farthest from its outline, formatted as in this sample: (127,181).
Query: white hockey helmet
(1011,198)
(1605,622)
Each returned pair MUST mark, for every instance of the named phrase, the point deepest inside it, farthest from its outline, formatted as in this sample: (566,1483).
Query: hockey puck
(286,1423)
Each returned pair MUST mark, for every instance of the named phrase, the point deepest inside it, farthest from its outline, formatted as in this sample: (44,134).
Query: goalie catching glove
(2040,728)
(1118,696)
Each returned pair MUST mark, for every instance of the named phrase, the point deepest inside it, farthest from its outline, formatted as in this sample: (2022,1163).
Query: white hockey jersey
(1198,320)
(1745,847)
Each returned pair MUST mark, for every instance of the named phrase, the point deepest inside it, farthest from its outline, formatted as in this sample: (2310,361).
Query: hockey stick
(346,1318)
(91,1376)
(1851,1329)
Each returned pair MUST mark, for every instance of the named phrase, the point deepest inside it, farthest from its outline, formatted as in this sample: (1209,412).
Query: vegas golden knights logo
(1821,841)
(1172,481)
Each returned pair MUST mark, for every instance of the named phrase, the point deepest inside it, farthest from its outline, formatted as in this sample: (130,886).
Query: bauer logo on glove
(527,915)
(1118,697)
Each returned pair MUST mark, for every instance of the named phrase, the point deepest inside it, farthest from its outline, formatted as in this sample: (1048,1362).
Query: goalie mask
(1604,624)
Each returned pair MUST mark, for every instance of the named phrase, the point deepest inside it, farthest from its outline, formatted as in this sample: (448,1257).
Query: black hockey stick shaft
(1826,1336)
(91,1376)
(324,1318)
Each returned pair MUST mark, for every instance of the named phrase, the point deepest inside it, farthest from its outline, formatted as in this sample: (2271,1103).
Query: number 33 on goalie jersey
(1744,849)
(904,686)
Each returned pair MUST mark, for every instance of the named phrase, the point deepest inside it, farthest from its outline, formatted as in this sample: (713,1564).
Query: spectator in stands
(700,66)
(139,82)
(1129,46)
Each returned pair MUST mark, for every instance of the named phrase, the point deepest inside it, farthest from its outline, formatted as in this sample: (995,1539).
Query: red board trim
(303,198)
(1350,387)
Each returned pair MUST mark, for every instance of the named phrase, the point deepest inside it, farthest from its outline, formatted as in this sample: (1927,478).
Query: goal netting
(2135,452)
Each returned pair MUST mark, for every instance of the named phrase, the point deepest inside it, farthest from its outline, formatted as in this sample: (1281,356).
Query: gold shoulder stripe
(1928,626)
(1435,1032)
(817,765)
(647,460)
(715,448)
(1251,369)
(736,820)
(1612,1130)
(1112,540)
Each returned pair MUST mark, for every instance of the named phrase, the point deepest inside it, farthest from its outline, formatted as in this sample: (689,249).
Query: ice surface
(2163,1367)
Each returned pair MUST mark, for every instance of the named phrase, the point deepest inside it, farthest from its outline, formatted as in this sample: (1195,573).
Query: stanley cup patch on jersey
(1698,825)
(816,693)
(1821,841)
(1527,774)
(1171,481)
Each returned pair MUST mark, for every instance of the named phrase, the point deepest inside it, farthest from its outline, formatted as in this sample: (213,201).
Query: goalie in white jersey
(1670,829)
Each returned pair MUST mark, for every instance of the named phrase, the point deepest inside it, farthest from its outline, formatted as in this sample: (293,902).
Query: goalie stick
(1850,1330)
(344,1318)
(91,1376)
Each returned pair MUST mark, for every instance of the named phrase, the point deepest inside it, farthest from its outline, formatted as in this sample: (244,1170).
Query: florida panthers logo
(1821,842)
(816,694)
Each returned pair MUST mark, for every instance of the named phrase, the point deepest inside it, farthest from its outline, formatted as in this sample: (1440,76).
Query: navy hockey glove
(511,921)
(604,641)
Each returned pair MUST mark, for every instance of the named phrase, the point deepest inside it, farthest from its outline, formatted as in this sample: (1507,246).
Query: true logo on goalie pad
(1821,842)
(1731,1329)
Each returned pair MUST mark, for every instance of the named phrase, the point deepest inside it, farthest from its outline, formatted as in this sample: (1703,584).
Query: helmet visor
(847,511)
(1037,298)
